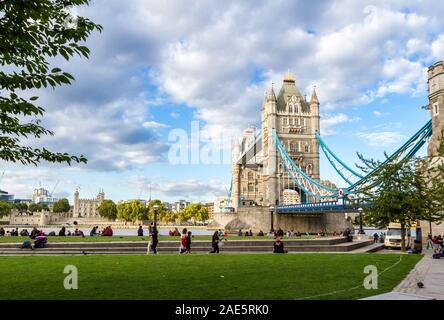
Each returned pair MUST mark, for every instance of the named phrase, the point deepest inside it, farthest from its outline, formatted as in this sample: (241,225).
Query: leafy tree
(163,214)
(131,211)
(195,211)
(5,208)
(21,207)
(34,207)
(399,192)
(108,209)
(32,33)
(61,206)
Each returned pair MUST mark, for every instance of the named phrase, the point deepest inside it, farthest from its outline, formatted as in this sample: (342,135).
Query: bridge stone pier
(259,218)
(436,107)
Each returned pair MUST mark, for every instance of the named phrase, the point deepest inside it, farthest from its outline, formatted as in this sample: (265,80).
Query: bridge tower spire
(436,104)
(269,123)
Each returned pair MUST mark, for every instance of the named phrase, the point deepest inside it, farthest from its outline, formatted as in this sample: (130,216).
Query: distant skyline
(160,65)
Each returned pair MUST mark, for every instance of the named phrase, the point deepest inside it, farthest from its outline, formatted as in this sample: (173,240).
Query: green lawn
(130,238)
(225,276)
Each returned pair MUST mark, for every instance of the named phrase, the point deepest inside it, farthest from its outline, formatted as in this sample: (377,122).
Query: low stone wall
(258,218)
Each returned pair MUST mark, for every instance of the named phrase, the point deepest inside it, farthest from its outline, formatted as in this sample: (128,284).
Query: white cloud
(403,76)
(438,48)
(329,122)
(154,125)
(195,190)
(381,139)
(377,113)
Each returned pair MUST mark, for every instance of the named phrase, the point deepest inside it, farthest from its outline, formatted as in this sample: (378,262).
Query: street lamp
(361,229)
(155,207)
(271,219)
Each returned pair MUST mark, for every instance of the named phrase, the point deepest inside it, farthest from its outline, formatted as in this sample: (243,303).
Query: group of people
(14,232)
(378,238)
(185,240)
(174,233)
(246,234)
(437,244)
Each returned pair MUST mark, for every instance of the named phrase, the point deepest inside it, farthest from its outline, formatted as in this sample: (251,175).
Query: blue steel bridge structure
(320,198)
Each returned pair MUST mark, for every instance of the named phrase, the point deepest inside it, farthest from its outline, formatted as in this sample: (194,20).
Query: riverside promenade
(428,271)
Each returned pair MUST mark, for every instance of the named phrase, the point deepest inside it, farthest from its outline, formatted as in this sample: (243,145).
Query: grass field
(129,238)
(236,276)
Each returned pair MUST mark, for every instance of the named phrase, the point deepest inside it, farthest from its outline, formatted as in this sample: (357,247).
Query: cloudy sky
(160,65)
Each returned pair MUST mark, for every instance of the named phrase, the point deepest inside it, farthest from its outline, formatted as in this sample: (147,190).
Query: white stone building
(87,208)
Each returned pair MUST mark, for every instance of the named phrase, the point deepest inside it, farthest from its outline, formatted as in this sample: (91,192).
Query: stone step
(176,244)
(197,248)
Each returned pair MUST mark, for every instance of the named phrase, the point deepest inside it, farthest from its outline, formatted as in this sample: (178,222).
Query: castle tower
(101,195)
(436,104)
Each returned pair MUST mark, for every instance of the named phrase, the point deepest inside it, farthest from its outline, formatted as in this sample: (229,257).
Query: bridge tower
(436,104)
(258,175)
(269,170)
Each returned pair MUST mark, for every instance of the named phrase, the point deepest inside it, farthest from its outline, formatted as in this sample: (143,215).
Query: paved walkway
(428,271)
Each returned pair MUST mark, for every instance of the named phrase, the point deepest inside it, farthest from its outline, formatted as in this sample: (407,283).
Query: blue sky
(159,65)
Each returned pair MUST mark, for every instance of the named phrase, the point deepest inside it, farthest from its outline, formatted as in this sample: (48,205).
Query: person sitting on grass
(34,233)
(62,232)
(93,231)
(108,232)
(279,246)
(260,234)
(240,234)
(140,231)
(40,242)
(27,245)
(24,233)
(437,253)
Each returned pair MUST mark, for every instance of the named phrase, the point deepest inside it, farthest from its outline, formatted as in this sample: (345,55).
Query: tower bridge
(278,165)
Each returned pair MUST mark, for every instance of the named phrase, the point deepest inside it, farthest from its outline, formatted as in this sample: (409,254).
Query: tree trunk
(402,237)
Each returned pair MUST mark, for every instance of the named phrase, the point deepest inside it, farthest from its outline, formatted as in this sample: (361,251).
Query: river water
(121,232)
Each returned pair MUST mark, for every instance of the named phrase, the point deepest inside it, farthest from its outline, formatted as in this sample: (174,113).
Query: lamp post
(155,207)
(271,219)
(361,229)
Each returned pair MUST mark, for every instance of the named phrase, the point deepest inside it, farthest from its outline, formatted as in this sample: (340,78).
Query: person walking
(183,243)
(154,240)
(375,237)
(188,242)
(215,242)
(429,242)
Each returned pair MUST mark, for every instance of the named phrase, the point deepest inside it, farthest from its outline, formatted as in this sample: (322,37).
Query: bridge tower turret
(436,104)
(269,123)
(316,123)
